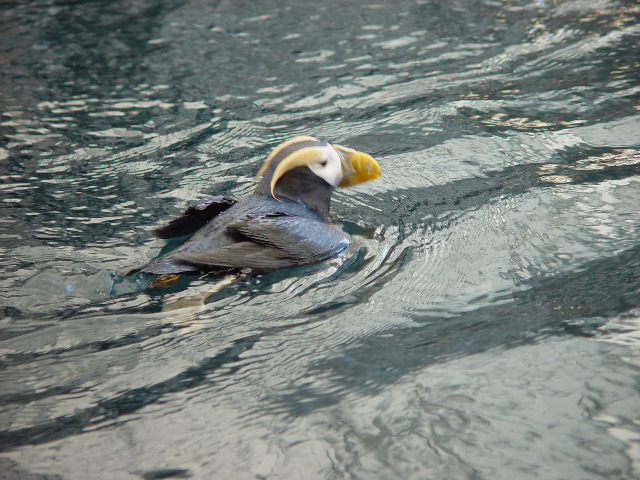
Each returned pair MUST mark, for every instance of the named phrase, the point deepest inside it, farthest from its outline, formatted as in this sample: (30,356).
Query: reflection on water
(483,325)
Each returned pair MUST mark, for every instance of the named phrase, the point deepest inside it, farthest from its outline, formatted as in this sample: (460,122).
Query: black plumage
(284,223)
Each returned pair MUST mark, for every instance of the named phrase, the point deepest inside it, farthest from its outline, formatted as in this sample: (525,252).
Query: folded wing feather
(272,241)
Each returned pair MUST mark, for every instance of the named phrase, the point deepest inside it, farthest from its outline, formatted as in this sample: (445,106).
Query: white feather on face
(328,167)
(337,165)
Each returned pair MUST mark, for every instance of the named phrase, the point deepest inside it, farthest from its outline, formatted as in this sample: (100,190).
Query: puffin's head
(304,167)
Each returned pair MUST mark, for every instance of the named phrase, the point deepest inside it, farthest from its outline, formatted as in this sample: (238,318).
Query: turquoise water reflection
(485,323)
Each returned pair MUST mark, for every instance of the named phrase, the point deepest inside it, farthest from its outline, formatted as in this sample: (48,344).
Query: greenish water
(486,323)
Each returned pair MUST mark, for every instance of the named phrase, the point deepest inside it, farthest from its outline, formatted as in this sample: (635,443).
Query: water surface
(485,323)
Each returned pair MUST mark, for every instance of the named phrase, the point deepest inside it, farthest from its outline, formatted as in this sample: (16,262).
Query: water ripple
(484,322)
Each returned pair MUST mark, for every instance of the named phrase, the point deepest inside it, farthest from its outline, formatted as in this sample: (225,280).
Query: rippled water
(484,326)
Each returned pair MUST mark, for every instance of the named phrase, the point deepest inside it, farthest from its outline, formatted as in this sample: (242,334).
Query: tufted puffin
(283,223)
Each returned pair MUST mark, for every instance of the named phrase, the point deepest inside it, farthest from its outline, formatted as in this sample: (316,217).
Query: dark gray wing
(237,256)
(195,217)
(272,241)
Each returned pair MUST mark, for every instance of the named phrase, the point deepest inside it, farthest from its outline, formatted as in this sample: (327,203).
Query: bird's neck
(301,185)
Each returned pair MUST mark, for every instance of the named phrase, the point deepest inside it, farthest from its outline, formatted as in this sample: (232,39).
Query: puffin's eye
(324,163)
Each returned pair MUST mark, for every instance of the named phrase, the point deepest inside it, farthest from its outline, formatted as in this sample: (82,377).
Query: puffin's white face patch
(328,167)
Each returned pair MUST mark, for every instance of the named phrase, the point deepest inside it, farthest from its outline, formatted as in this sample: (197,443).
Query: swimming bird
(283,223)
